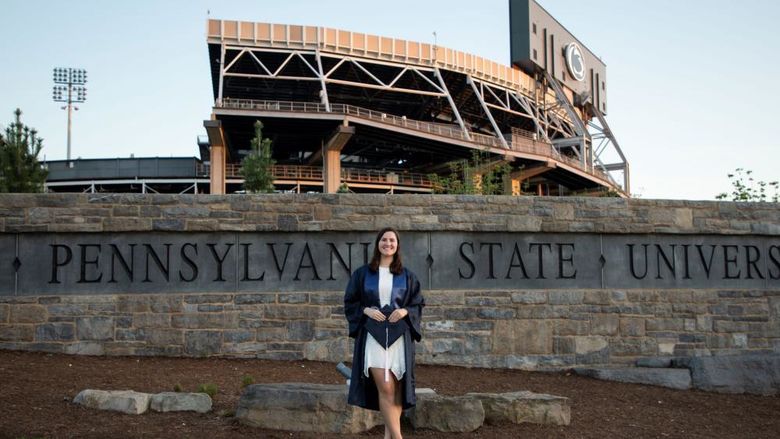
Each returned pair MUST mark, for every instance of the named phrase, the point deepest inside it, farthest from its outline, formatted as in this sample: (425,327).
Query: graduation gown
(362,292)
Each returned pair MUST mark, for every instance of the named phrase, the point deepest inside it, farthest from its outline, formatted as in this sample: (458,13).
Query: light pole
(71,90)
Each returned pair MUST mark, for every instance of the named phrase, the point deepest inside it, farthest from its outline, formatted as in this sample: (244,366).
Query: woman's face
(388,244)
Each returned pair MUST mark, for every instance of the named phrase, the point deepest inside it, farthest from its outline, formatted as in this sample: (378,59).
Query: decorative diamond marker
(602,261)
(429,260)
(17,263)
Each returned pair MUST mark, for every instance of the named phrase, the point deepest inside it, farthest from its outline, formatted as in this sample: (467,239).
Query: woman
(383,305)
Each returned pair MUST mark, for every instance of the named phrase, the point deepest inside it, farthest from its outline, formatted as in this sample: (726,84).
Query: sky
(691,85)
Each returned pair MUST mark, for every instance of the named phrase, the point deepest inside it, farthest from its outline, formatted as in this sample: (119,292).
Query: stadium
(367,113)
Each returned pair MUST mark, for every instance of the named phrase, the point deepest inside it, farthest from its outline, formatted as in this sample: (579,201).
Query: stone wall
(531,329)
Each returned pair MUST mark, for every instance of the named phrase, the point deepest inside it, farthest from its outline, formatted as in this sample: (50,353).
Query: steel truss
(474,105)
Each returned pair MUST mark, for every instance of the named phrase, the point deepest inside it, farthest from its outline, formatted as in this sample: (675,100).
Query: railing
(314,173)
(518,140)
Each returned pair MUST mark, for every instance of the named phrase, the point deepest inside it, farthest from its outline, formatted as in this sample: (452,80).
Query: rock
(448,414)
(756,374)
(303,407)
(659,362)
(672,378)
(524,407)
(181,402)
(125,401)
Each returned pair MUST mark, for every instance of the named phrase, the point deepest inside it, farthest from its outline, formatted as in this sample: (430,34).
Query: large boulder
(756,374)
(125,401)
(449,414)
(303,407)
(671,378)
(180,402)
(524,407)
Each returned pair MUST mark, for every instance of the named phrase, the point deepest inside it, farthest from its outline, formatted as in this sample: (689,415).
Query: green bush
(247,380)
(209,389)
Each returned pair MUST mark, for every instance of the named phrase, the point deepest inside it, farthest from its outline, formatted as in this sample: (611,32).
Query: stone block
(563,345)
(238,336)
(165,304)
(226,320)
(334,350)
(605,324)
(444,298)
(658,362)
(17,333)
(755,374)
(327,298)
(202,343)
(632,327)
(85,348)
(208,298)
(54,332)
(572,327)
(458,414)
(293,298)
(68,310)
(5,312)
(180,402)
(26,313)
(598,298)
(300,330)
(522,337)
(439,325)
(665,324)
(524,407)
(163,337)
(565,297)
(133,304)
(319,408)
(496,313)
(671,378)
(95,328)
(530,297)
(589,344)
(125,401)
(302,312)
(149,320)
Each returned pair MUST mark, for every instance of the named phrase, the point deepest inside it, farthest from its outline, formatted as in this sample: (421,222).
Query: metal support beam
(452,103)
(500,136)
(324,90)
(221,74)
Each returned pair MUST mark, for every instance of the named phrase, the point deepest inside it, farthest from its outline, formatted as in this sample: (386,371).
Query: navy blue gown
(363,291)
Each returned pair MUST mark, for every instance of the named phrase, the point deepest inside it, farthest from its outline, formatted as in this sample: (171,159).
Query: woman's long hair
(396,267)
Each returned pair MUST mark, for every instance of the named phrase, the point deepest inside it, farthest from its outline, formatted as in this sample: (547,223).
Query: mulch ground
(37,390)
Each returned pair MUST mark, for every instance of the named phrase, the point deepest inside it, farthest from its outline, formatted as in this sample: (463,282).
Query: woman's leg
(389,402)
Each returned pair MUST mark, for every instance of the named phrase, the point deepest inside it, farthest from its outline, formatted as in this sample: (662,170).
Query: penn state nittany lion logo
(575,62)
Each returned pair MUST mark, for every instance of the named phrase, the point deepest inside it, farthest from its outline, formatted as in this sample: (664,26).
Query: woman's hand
(375,314)
(398,315)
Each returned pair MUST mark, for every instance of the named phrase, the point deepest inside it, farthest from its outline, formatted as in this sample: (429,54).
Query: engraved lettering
(467,260)
(219,259)
(89,262)
(55,260)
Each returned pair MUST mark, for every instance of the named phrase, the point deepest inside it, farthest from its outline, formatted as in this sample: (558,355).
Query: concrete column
(331,158)
(217,174)
(218,155)
(331,170)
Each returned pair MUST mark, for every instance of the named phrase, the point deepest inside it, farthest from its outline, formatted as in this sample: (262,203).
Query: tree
(257,166)
(746,188)
(476,177)
(20,170)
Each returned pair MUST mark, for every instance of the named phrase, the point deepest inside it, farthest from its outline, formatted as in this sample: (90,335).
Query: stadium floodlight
(69,88)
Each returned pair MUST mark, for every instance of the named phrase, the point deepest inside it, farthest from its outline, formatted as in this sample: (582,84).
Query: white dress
(375,355)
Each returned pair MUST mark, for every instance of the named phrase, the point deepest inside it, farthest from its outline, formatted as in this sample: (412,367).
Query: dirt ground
(37,390)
